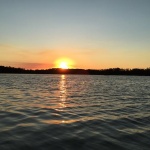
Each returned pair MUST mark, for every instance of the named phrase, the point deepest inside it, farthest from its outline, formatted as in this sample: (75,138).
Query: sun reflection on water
(63,94)
(63,91)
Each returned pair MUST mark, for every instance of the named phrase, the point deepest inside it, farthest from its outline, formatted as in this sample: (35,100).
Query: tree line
(110,71)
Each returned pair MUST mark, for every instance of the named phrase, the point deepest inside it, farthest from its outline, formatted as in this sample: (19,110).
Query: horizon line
(77,68)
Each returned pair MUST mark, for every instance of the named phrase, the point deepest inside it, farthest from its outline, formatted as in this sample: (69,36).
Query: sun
(63,65)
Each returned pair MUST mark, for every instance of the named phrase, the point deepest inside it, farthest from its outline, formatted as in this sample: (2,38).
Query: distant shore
(110,71)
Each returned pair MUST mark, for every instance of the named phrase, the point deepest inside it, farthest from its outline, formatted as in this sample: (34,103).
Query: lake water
(74,112)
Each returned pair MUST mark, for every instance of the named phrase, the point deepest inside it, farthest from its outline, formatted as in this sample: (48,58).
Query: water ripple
(69,112)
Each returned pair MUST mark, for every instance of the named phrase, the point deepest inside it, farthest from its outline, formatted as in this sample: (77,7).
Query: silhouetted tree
(110,71)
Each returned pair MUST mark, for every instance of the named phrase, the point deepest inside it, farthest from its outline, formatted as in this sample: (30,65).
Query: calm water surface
(70,112)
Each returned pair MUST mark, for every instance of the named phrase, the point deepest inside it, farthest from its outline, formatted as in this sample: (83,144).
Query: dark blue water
(70,112)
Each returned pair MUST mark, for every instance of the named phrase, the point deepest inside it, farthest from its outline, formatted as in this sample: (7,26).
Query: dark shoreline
(110,71)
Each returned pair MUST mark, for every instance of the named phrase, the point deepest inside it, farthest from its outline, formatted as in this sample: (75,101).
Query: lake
(74,112)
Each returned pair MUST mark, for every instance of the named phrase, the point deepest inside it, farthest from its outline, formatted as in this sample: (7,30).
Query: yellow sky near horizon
(87,59)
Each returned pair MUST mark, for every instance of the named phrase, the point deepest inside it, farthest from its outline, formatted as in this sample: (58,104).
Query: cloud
(35,65)
(27,65)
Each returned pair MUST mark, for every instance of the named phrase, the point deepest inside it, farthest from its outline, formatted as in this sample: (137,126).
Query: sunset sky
(93,34)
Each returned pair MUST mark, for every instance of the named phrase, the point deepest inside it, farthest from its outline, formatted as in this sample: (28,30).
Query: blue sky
(93,33)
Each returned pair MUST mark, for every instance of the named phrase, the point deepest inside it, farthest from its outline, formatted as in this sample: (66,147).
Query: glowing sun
(63,65)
